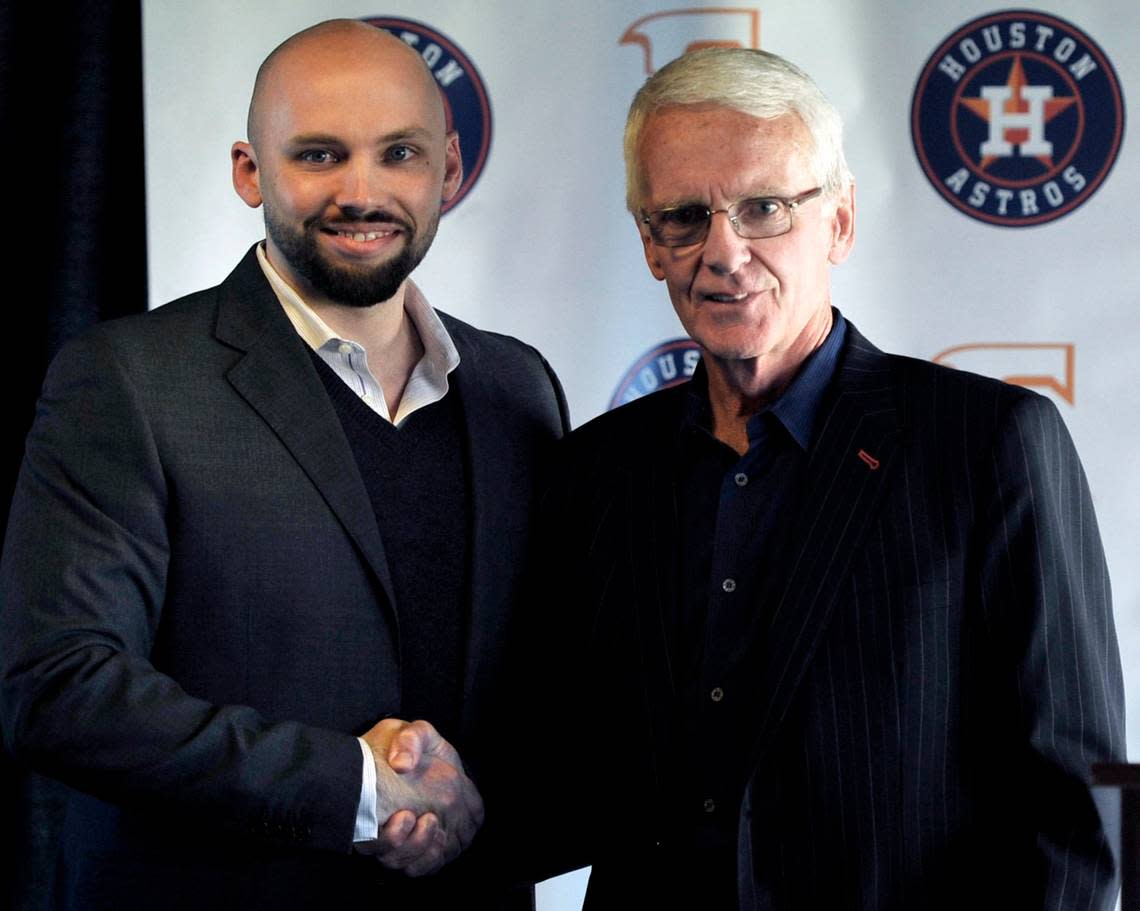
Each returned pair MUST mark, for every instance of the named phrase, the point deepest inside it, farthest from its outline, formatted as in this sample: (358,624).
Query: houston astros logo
(464,95)
(1017,118)
(662,366)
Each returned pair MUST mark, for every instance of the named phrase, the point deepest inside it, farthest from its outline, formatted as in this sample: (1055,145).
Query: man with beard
(258,526)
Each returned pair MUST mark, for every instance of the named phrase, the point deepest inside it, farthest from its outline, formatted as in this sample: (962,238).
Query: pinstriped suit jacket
(936,666)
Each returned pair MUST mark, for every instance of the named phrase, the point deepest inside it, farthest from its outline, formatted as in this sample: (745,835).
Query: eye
(683,216)
(317,156)
(759,209)
(400,153)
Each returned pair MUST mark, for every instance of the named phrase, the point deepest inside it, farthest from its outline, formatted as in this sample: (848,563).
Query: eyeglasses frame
(791,203)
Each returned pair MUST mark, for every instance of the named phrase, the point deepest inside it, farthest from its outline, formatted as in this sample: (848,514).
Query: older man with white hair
(844,614)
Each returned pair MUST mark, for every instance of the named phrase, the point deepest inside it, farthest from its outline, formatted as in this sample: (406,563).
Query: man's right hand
(432,809)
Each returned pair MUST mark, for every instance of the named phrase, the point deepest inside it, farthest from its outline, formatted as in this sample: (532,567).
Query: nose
(724,251)
(360,189)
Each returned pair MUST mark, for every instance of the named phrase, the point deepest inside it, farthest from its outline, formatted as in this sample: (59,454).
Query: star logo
(1017,114)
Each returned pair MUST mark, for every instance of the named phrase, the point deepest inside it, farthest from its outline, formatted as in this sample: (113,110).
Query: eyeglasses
(762,216)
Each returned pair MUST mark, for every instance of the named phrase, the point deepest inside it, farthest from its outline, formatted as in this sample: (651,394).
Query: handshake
(429,810)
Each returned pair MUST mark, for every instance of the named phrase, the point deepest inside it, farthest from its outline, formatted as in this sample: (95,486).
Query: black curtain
(75,237)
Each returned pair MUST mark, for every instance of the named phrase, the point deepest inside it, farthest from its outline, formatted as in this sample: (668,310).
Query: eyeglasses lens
(752,218)
(762,218)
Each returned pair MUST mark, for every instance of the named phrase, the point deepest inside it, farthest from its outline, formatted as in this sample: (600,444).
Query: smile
(737,298)
(726,298)
(362,236)
(362,240)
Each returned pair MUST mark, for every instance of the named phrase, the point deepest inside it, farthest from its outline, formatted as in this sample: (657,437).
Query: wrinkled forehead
(686,148)
(725,125)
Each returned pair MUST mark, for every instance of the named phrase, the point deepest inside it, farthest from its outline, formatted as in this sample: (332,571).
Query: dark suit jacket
(197,612)
(934,669)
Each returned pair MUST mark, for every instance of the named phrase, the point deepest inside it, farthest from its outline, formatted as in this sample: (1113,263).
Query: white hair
(753,82)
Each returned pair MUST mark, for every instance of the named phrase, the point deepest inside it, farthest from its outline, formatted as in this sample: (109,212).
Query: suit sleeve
(1045,593)
(81,599)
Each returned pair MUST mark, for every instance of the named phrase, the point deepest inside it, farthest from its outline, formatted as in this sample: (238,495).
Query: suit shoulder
(172,324)
(172,346)
(947,409)
(923,387)
(514,371)
(926,385)
(493,344)
(509,358)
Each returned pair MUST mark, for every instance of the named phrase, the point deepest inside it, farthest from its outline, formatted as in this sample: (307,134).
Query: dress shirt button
(741,479)
(709,805)
(729,585)
(345,348)
(717,694)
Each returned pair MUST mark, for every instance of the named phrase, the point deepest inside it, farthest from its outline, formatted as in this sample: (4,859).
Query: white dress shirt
(349,359)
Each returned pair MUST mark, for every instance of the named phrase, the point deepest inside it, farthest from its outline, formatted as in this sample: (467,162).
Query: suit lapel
(649,527)
(501,478)
(849,469)
(493,499)
(278,381)
(654,556)
(656,547)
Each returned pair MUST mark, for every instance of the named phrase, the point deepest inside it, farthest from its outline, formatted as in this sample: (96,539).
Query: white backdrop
(542,248)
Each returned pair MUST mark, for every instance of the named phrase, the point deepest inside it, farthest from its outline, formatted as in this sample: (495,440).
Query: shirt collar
(440,354)
(798,407)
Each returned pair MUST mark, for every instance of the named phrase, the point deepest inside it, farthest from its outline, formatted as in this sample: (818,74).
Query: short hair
(751,81)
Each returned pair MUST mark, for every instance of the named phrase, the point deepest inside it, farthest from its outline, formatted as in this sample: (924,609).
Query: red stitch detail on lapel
(871,461)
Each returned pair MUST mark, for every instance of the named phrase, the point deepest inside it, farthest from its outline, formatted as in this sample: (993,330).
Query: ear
(843,227)
(246,177)
(452,167)
(651,250)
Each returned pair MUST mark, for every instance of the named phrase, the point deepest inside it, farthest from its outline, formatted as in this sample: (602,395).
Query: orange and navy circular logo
(662,366)
(1017,118)
(464,95)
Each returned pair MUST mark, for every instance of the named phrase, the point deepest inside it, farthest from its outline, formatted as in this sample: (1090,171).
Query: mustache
(379,217)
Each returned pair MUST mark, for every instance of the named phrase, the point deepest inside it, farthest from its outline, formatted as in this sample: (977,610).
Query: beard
(360,287)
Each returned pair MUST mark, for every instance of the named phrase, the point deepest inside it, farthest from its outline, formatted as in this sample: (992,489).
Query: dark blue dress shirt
(734,512)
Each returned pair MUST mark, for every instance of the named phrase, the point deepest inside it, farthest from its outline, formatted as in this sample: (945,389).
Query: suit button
(741,479)
(717,694)
(729,585)
(709,805)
